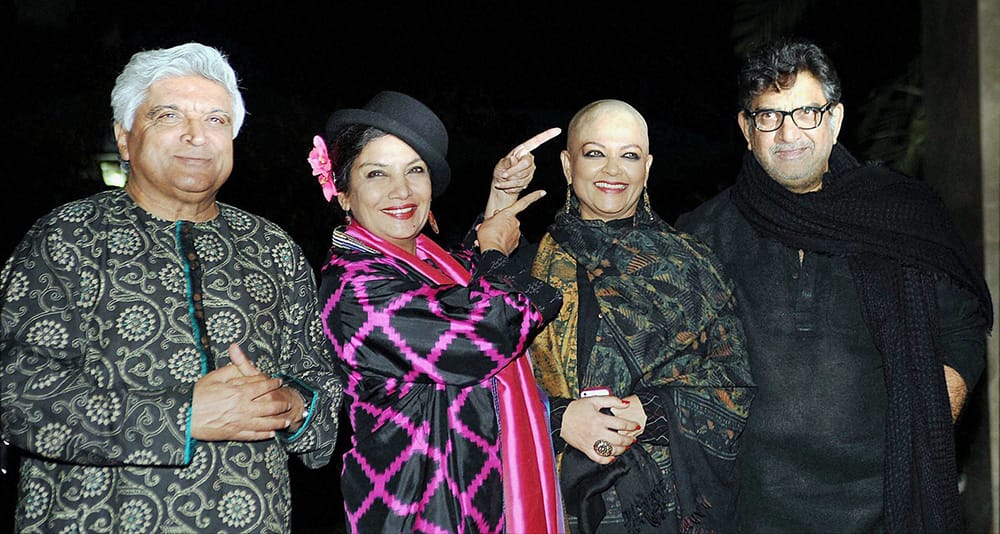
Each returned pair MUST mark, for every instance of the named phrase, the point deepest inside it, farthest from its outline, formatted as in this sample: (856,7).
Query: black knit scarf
(898,239)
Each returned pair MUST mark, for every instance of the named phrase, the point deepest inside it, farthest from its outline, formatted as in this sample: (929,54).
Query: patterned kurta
(421,359)
(110,316)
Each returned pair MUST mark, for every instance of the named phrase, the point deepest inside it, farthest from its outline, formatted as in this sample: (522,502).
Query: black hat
(408,119)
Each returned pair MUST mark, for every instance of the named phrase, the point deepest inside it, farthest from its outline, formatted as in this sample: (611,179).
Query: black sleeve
(557,408)
(961,331)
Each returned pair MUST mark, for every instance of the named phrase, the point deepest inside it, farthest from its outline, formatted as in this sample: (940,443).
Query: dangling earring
(433,222)
(569,195)
(347,218)
(647,209)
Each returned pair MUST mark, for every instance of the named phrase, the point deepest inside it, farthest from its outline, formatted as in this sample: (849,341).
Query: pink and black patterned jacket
(420,360)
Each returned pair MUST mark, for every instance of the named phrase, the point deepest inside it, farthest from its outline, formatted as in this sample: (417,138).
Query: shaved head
(603,108)
(607,159)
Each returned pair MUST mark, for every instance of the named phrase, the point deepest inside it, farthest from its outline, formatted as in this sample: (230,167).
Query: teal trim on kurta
(301,387)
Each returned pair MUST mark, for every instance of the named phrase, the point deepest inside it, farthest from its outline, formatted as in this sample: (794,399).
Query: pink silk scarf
(532,501)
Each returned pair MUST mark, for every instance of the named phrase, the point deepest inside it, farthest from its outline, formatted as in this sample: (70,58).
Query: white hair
(190,59)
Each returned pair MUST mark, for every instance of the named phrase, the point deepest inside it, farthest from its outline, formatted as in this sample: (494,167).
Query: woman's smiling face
(390,191)
(607,162)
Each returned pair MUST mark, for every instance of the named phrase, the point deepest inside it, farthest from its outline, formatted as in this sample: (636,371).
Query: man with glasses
(865,318)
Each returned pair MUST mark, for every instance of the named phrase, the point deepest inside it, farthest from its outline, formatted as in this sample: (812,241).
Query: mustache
(790,146)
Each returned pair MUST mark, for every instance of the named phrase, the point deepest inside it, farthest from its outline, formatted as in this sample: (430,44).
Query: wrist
(303,408)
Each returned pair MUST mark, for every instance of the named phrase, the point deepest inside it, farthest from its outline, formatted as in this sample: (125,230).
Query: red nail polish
(626,402)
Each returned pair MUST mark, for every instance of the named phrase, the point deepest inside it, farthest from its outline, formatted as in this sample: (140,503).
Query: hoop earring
(433,222)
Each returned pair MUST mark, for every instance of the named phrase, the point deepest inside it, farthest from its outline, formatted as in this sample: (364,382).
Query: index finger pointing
(525,201)
(538,139)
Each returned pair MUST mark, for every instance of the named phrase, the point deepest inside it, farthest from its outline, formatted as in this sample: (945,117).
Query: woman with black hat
(446,414)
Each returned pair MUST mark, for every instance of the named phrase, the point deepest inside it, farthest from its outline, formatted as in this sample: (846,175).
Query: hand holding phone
(595,392)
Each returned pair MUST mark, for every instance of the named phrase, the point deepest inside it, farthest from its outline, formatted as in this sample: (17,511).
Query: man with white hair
(160,352)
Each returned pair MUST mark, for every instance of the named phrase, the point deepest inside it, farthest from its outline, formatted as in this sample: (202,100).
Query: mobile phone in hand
(595,392)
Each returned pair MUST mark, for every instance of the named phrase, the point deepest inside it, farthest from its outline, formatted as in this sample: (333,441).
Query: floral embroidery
(47,333)
(104,409)
(199,464)
(76,212)
(237,508)
(136,323)
(135,516)
(124,241)
(172,278)
(43,381)
(238,221)
(185,365)
(90,287)
(259,288)
(36,499)
(60,253)
(282,255)
(141,458)
(209,248)
(95,482)
(224,327)
(52,438)
(17,287)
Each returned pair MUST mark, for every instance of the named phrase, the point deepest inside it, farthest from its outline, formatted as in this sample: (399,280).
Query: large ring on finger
(603,448)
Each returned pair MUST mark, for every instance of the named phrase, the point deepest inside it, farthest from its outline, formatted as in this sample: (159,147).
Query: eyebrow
(156,109)
(632,145)
(810,105)
(381,165)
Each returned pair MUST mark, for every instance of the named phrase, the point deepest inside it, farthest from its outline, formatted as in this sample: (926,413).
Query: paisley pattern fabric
(667,329)
(101,348)
(422,358)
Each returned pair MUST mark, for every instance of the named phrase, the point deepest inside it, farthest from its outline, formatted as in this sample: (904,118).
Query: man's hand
(238,402)
(957,391)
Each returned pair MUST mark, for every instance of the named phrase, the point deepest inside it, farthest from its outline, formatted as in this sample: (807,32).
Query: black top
(813,451)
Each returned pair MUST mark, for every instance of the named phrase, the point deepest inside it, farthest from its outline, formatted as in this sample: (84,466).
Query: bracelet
(305,405)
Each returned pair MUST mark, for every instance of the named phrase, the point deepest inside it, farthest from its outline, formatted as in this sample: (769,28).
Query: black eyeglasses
(805,117)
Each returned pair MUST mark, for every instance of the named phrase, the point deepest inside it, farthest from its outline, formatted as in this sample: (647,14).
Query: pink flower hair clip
(319,160)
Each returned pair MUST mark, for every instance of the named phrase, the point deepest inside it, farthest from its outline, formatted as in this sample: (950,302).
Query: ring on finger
(603,447)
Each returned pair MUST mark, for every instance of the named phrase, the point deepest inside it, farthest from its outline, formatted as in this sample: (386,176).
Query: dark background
(496,72)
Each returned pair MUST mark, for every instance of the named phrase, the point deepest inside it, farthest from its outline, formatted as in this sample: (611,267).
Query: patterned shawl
(667,324)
